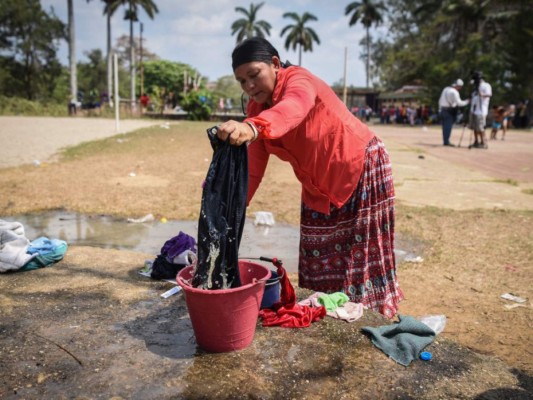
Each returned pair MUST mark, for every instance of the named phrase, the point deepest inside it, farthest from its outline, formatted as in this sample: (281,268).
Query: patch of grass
(142,141)
(511,182)
(119,143)
(527,191)
(413,150)
(18,106)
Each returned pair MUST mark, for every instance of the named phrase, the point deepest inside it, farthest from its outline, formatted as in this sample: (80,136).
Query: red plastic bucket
(225,320)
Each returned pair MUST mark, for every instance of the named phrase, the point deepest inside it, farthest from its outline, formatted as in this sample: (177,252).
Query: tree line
(428,42)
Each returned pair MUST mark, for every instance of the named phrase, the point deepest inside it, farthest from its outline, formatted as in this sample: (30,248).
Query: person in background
(498,119)
(449,102)
(144,100)
(510,111)
(347,204)
(479,109)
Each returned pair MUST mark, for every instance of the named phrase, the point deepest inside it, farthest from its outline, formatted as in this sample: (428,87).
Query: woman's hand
(237,132)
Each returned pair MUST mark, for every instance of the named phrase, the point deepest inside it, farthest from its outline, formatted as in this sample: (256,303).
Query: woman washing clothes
(347,211)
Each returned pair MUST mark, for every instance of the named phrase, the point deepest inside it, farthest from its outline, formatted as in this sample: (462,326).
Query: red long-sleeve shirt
(311,128)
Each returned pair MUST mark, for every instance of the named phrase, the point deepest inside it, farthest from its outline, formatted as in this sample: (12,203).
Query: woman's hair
(254,49)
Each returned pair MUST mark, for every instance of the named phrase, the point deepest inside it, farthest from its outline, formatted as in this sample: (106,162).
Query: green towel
(44,260)
(333,301)
(402,341)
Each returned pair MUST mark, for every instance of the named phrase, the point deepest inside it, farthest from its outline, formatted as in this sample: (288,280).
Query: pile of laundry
(177,253)
(18,253)
(403,341)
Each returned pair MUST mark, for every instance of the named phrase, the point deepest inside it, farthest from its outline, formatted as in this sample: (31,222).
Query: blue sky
(198,32)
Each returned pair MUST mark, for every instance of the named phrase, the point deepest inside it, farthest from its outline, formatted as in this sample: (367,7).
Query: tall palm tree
(300,35)
(369,12)
(131,14)
(249,26)
(108,14)
(72,52)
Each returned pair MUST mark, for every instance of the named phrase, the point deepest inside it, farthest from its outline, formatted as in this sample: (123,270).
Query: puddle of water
(280,241)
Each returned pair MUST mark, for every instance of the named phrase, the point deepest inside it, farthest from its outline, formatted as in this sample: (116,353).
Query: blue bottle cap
(425,355)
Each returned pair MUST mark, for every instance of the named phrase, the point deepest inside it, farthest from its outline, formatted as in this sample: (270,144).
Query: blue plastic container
(272,291)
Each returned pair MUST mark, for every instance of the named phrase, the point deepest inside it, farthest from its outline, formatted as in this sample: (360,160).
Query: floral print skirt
(352,249)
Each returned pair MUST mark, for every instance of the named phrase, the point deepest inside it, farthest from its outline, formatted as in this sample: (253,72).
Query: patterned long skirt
(352,249)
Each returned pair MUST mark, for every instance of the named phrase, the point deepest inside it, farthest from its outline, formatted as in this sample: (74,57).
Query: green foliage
(299,35)
(435,42)
(249,26)
(28,46)
(131,13)
(369,13)
(228,87)
(198,104)
(169,75)
(92,76)
(20,106)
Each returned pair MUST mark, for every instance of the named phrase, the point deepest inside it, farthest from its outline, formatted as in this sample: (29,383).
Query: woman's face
(258,79)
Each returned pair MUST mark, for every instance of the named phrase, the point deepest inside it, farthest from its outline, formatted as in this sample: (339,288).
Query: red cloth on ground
(287,295)
(287,313)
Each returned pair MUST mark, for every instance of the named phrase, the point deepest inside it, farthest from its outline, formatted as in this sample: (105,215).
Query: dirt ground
(474,248)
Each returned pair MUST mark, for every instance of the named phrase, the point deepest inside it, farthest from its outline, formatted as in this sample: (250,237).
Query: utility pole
(117,99)
(141,63)
(345,90)
(72,54)
(132,61)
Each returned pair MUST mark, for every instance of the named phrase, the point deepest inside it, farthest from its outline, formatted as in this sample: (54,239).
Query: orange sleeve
(257,162)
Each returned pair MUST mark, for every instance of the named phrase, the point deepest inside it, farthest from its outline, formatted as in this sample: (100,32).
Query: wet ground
(90,329)
(280,240)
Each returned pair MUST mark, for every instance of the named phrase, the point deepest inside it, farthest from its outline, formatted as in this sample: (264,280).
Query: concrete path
(429,174)
(24,140)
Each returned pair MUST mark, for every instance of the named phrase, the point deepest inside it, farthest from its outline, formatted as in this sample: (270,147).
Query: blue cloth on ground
(42,245)
(47,257)
(402,341)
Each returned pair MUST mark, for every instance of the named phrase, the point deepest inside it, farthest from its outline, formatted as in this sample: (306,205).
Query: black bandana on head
(253,49)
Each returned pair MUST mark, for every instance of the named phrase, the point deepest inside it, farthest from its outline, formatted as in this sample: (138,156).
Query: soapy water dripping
(214,252)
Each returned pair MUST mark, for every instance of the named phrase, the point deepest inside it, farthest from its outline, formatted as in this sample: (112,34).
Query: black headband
(253,49)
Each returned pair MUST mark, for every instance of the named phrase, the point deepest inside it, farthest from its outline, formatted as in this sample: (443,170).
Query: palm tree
(108,15)
(131,14)
(369,13)
(72,52)
(248,27)
(300,35)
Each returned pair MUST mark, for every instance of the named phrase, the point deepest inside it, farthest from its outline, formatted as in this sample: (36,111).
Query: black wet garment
(222,216)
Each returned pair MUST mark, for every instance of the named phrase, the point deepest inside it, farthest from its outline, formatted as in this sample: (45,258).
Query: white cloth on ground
(13,246)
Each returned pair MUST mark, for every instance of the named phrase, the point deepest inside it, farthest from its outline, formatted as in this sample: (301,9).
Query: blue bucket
(272,291)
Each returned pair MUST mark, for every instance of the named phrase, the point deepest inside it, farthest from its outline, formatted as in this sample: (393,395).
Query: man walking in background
(479,109)
(449,102)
